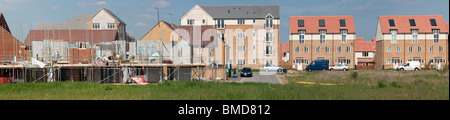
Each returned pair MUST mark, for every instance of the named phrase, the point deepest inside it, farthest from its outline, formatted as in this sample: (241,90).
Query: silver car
(339,67)
(268,68)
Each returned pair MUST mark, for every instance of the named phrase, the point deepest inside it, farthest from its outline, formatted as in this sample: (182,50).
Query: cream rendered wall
(359,55)
(103,18)
(198,14)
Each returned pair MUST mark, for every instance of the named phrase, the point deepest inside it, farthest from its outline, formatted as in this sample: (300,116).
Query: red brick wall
(81,55)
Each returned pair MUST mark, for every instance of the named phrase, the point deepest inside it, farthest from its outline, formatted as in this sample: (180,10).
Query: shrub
(381,84)
(396,84)
(354,75)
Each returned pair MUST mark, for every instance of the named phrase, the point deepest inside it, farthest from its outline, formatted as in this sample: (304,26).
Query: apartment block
(322,38)
(422,38)
(250,32)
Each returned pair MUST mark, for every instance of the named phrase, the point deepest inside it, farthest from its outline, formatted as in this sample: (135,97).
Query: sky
(140,15)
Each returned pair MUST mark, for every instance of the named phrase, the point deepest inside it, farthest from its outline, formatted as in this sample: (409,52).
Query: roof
(242,11)
(3,23)
(422,23)
(78,22)
(72,36)
(114,15)
(171,26)
(365,46)
(366,60)
(311,24)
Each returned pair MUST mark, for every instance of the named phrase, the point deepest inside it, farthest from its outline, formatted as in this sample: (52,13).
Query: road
(261,77)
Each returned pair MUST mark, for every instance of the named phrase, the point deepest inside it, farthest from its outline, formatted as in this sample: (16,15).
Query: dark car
(246,72)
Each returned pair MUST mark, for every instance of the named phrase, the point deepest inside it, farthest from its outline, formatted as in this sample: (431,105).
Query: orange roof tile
(365,60)
(365,46)
(422,23)
(311,24)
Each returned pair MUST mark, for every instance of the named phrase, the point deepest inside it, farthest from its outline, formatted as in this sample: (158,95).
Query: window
(410,49)
(306,61)
(269,62)
(241,62)
(254,61)
(241,48)
(436,35)
(338,49)
(394,36)
(399,49)
(391,23)
(306,49)
(301,36)
(190,21)
(269,50)
(241,21)
(342,23)
(269,22)
(348,49)
(389,49)
(317,49)
(297,49)
(254,21)
(327,49)
(321,23)
(220,24)
(203,21)
(254,47)
(344,36)
(322,36)
(412,22)
(301,23)
(431,48)
(433,22)
(199,50)
(240,36)
(419,49)
(95,26)
(431,61)
(269,37)
(222,36)
(111,25)
(365,54)
(388,61)
(414,35)
(441,49)
(349,61)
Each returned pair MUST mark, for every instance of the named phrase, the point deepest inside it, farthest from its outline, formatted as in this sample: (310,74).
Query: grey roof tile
(242,11)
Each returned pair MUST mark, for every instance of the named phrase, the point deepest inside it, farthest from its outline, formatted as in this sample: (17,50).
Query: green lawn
(363,85)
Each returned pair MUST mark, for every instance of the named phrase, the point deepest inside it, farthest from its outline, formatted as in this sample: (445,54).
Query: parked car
(411,65)
(268,68)
(246,72)
(318,65)
(339,67)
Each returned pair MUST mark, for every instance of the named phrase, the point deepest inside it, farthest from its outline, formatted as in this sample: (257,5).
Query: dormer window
(321,23)
(342,23)
(391,23)
(269,21)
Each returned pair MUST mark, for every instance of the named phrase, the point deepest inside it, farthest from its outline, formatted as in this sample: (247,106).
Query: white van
(411,65)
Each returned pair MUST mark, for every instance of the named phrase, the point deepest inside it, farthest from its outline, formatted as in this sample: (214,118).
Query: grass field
(350,85)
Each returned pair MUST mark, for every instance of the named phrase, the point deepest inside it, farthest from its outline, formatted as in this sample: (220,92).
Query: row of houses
(399,39)
(236,36)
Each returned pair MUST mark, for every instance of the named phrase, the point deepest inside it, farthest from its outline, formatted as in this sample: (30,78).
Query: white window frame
(365,54)
(388,61)
(269,49)
(327,49)
(431,48)
(339,49)
(297,49)
(111,25)
(344,36)
(306,49)
(269,21)
(415,34)
(220,24)
(322,34)
(241,21)
(317,49)
(301,34)
(240,36)
(419,49)
(389,49)
(410,49)
(441,49)
(399,49)
(191,21)
(436,35)
(394,36)
(95,25)
(269,37)
(349,49)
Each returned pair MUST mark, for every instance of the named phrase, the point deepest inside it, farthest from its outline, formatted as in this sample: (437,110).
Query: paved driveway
(261,77)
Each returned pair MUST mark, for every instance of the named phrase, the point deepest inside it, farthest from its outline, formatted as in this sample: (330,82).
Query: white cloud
(56,7)
(141,24)
(146,16)
(161,4)
(100,3)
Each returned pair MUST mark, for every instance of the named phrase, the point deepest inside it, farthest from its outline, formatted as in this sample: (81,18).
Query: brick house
(422,38)
(365,53)
(9,45)
(250,32)
(321,38)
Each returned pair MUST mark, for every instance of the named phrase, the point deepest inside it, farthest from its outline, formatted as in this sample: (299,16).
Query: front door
(395,62)
(438,64)
(299,64)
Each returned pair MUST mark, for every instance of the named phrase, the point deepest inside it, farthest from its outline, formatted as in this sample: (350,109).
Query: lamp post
(160,47)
